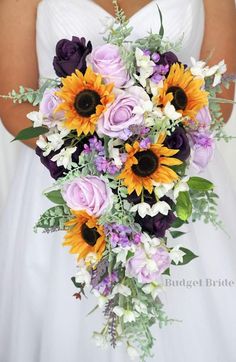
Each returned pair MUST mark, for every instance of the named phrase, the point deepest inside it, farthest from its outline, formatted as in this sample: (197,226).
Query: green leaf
(176,234)
(167,272)
(184,206)
(56,197)
(161,31)
(200,184)
(189,256)
(177,223)
(30,132)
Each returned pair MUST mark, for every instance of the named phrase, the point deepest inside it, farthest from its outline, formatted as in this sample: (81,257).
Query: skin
(19,41)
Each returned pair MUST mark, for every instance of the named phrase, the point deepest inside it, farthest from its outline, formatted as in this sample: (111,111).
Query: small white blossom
(200,69)
(150,245)
(64,158)
(171,113)
(162,189)
(153,288)
(36,118)
(122,253)
(82,275)
(121,289)
(145,66)
(107,24)
(44,145)
(221,69)
(114,152)
(132,352)
(128,315)
(145,209)
(102,300)
(177,255)
(142,208)
(181,186)
(91,259)
(140,307)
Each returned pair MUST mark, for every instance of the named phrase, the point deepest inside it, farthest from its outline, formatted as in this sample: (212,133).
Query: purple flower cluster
(101,162)
(106,285)
(163,62)
(121,235)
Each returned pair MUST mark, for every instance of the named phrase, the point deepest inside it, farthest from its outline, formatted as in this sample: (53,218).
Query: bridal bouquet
(121,129)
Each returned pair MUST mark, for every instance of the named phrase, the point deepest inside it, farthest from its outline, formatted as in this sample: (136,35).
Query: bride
(40,321)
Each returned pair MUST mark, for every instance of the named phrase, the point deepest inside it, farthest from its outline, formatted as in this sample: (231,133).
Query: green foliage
(30,132)
(189,256)
(30,95)
(205,207)
(184,206)
(54,217)
(55,196)
(176,234)
(200,184)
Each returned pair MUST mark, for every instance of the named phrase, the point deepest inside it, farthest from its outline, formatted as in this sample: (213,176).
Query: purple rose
(145,268)
(179,140)
(116,121)
(203,147)
(49,105)
(168,58)
(59,171)
(71,55)
(107,61)
(89,193)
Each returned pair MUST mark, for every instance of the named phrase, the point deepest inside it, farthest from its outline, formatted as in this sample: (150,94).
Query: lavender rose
(71,55)
(89,193)
(148,269)
(49,105)
(116,121)
(203,147)
(204,118)
(107,61)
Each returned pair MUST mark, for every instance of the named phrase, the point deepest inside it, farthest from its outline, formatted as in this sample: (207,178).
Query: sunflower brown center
(90,235)
(86,102)
(180,99)
(147,163)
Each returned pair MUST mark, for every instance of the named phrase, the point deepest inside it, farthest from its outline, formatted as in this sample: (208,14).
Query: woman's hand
(18,61)
(220,41)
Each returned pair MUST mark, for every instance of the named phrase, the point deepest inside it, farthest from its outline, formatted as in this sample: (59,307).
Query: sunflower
(85,98)
(85,235)
(183,91)
(143,167)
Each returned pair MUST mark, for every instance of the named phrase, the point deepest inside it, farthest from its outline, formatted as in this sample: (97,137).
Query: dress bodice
(59,19)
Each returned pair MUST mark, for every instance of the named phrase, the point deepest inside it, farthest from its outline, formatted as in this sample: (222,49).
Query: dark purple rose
(158,224)
(179,140)
(168,58)
(71,55)
(58,171)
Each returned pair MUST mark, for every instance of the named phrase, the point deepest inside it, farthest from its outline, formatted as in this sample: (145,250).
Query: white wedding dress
(40,321)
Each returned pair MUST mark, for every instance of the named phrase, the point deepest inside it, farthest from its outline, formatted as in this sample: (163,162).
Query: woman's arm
(220,40)
(18,60)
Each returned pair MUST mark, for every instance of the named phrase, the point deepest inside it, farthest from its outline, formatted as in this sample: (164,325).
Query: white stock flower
(128,315)
(221,69)
(145,66)
(36,118)
(102,300)
(132,352)
(162,189)
(177,255)
(171,113)
(82,275)
(64,158)
(153,288)
(181,186)
(121,289)
(114,152)
(145,209)
(140,307)
(44,145)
